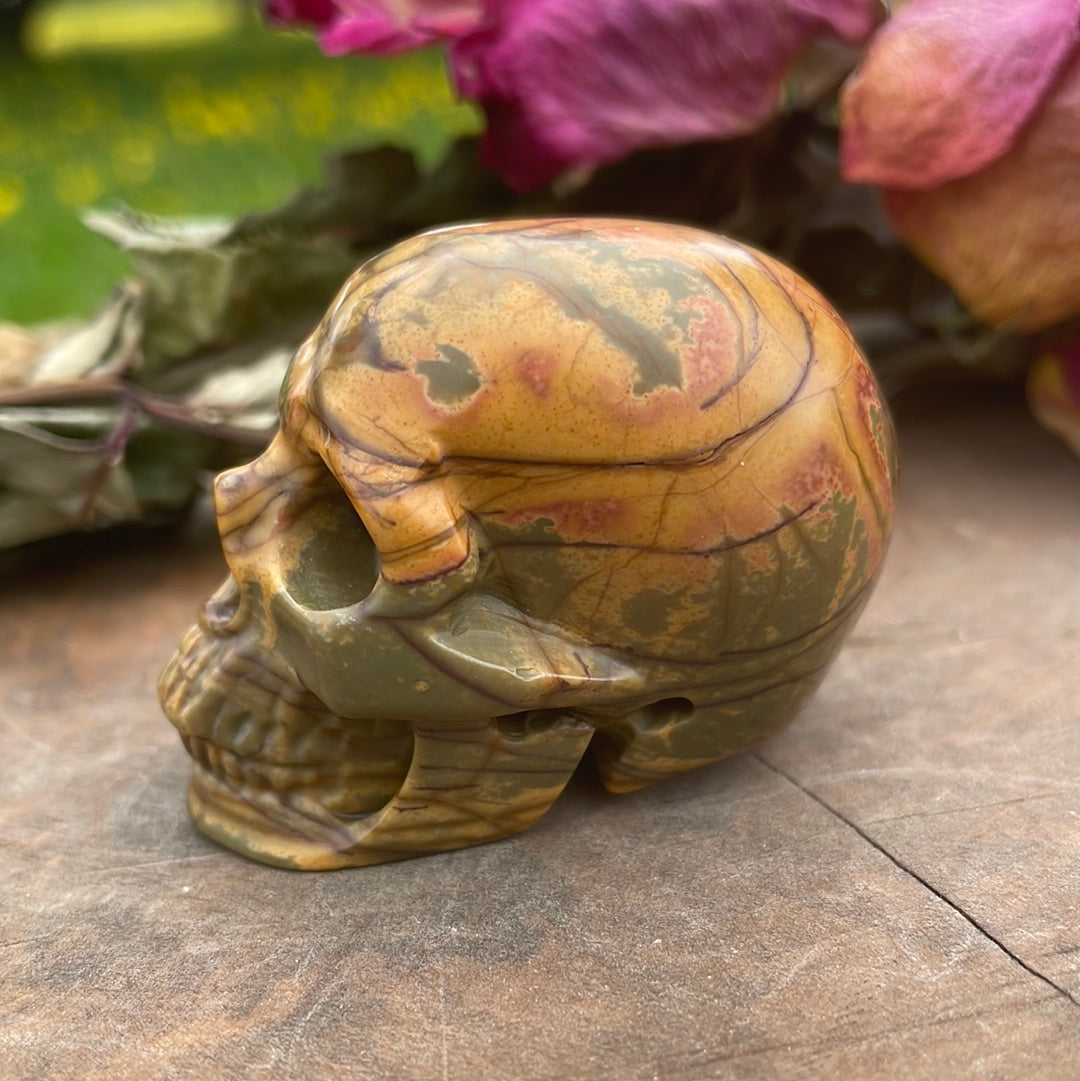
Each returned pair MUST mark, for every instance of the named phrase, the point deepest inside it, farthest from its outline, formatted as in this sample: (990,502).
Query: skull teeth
(251,726)
(243,721)
(240,772)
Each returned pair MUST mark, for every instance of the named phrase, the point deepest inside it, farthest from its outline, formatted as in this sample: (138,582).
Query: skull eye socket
(337,564)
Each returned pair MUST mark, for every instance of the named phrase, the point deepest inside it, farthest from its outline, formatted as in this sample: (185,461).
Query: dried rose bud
(967,114)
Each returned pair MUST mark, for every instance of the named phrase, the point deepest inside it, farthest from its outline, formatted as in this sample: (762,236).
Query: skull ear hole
(518,726)
(337,563)
(533,722)
(666,712)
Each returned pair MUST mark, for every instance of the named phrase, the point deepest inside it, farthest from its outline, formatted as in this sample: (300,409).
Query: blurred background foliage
(176,107)
(261,172)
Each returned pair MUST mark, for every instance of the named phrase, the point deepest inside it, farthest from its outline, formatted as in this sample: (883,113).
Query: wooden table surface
(890,889)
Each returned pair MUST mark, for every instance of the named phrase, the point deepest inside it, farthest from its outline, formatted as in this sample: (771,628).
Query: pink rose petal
(314,12)
(1008,237)
(384,27)
(947,86)
(380,27)
(572,83)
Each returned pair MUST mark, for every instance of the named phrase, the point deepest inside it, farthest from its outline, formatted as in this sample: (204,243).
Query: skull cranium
(537,485)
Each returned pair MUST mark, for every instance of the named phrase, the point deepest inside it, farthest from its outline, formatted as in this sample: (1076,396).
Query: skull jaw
(471,784)
(279,777)
(466,785)
(271,765)
(259,825)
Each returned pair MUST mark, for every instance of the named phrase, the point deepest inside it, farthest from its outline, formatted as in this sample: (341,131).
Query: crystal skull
(538,486)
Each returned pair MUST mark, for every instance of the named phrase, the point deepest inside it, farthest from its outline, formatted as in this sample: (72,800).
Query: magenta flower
(577,83)
(967,114)
(379,26)
(566,83)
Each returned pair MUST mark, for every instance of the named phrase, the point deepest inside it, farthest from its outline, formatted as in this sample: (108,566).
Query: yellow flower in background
(109,105)
(183,106)
(78,183)
(12,193)
(390,103)
(227,114)
(378,109)
(81,113)
(314,108)
(134,157)
(196,113)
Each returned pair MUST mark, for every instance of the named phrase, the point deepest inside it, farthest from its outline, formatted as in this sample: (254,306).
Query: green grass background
(220,127)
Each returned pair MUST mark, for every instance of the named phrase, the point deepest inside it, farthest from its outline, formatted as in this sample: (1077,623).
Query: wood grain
(888,890)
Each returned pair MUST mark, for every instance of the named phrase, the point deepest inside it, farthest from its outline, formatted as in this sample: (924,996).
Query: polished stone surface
(891,888)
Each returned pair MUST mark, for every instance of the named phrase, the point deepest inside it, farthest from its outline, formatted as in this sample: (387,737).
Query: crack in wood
(925,883)
(1030,798)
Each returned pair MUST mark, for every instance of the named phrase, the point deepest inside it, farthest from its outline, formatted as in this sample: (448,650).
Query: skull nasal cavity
(218,614)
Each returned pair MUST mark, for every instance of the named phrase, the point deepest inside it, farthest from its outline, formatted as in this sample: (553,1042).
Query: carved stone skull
(538,485)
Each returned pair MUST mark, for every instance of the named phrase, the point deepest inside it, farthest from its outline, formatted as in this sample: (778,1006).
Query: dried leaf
(117,420)
(106,346)
(61,470)
(244,397)
(19,352)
